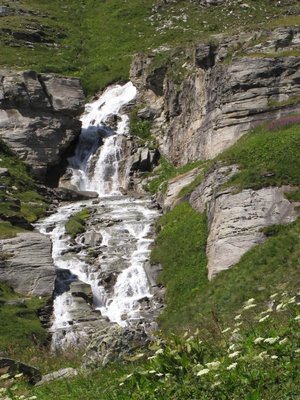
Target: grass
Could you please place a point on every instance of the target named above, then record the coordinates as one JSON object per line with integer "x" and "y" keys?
{"x": 180, "y": 248}
{"x": 20, "y": 201}
{"x": 97, "y": 40}
{"x": 266, "y": 158}
{"x": 20, "y": 327}
{"x": 76, "y": 223}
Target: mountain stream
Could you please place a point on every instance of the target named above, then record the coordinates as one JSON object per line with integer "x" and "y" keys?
{"x": 119, "y": 231}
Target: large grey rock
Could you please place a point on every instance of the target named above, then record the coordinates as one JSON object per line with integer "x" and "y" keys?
{"x": 38, "y": 116}
{"x": 235, "y": 220}
{"x": 28, "y": 267}
{"x": 216, "y": 103}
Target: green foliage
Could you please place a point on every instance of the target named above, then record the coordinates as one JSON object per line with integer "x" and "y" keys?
{"x": 266, "y": 158}
{"x": 180, "y": 248}
{"x": 96, "y": 40}
{"x": 76, "y": 223}
{"x": 20, "y": 327}
{"x": 165, "y": 171}
{"x": 139, "y": 127}
{"x": 18, "y": 194}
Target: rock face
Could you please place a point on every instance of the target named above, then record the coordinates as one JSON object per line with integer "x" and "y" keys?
{"x": 38, "y": 116}
{"x": 13, "y": 367}
{"x": 216, "y": 102}
{"x": 236, "y": 220}
{"x": 27, "y": 266}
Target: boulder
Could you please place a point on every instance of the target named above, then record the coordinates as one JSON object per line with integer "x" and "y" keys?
{"x": 14, "y": 367}
{"x": 38, "y": 116}
{"x": 29, "y": 269}
{"x": 236, "y": 220}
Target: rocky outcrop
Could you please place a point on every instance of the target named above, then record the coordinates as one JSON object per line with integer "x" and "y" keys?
{"x": 38, "y": 116}
{"x": 236, "y": 220}
{"x": 216, "y": 102}
{"x": 64, "y": 373}
{"x": 13, "y": 367}
{"x": 115, "y": 343}
{"x": 27, "y": 266}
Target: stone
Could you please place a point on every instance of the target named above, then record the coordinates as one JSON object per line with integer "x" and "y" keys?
{"x": 216, "y": 103}
{"x": 236, "y": 220}
{"x": 14, "y": 367}
{"x": 29, "y": 269}
{"x": 170, "y": 198}
{"x": 64, "y": 373}
{"x": 38, "y": 117}
{"x": 4, "y": 172}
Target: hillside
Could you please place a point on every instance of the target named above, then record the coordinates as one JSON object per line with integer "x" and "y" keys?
{"x": 213, "y": 137}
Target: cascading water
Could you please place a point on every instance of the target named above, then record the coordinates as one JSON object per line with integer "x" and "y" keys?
{"x": 121, "y": 224}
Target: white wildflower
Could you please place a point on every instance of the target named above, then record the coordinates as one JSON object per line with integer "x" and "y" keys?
{"x": 19, "y": 375}
{"x": 237, "y": 317}
{"x": 226, "y": 330}
{"x": 236, "y": 330}
{"x": 297, "y": 351}
{"x": 231, "y": 366}
{"x": 235, "y": 354}
{"x": 159, "y": 351}
{"x": 216, "y": 384}
{"x": 152, "y": 371}
{"x": 262, "y": 355}
{"x": 282, "y": 341}
{"x": 213, "y": 364}
{"x": 159, "y": 374}
{"x": 32, "y": 398}
{"x": 292, "y": 300}
{"x": 232, "y": 346}
{"x": 248, "y": 306}
{"x": 238, "y": 323}
{"x": 203, "y": 372}
{"x": 264, "y": 318}
{"x": 274, "y": 357}
{"x": 258, "y": 340}
{"x": 297, "y": 318}
{"x": 121, "y": 384}
{"x": 271, "y": 340}
{"x": 273, "y": 295}
{"x": 268, "y": 311}
{"x": 280, "y": 306}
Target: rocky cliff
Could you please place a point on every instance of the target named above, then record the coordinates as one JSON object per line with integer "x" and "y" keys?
{"x": 204, "y": 99}
{"x": 39, "y": 117}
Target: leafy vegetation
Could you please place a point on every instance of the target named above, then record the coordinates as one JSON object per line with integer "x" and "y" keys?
{"x": 139, "y": 127}
{"x": 76, "y": 223}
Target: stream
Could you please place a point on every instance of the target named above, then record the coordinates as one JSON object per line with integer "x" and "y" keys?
{"x": 109, "y": 257}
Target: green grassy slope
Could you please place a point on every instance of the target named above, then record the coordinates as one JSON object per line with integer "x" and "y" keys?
{"x": 96, "y": 40}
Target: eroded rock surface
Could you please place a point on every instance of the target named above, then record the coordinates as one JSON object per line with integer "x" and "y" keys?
{"x": 236, "y": 220}
{"x": 38, "y": 116}
{"x": 216, "y": 103}
{"x": 27, "y": 264}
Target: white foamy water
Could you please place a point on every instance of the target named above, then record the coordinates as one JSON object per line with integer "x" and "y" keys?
{"x": 125, "y": 243}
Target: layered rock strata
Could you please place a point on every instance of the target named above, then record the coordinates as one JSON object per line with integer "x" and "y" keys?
{"x": 38, "y": 116}
{"x": 200, "y": 114}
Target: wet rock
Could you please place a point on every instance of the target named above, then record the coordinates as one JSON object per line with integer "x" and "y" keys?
{"x": 73, "y": 195}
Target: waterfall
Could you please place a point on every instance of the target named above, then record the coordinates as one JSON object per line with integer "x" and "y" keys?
{"x": 123, "y": 224}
